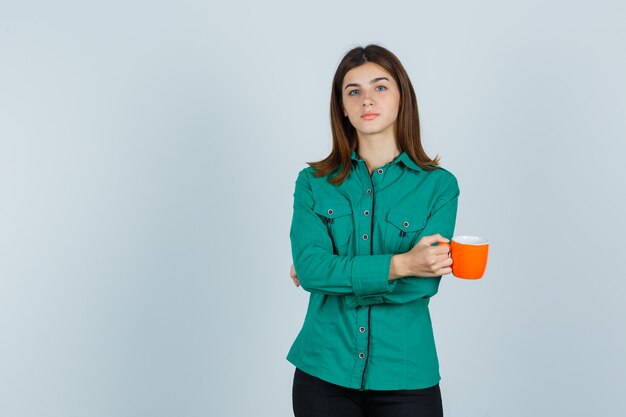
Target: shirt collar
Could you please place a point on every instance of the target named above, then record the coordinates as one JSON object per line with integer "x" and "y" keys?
{"x": 403, "y": 157}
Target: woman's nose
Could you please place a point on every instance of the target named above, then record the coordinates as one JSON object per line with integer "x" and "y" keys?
{"x": 367, "y": 101}
{"x": 367, "y": 98}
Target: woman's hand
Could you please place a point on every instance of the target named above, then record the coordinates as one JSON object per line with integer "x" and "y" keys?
{"x": 423, "y": 260}
{"x": 294, "y": 277}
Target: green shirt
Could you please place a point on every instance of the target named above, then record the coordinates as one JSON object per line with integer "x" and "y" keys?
{"x": 362, "y": 331}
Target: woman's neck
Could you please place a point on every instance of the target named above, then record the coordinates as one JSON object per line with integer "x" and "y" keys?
{"x": 376, "y": 152}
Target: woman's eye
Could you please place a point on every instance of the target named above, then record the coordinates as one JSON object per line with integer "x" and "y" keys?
{"x": 380, "y": 88}
{"x": 353, "y": 92}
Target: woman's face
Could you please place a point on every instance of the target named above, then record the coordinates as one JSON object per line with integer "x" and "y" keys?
{"x": 371, "y": 99}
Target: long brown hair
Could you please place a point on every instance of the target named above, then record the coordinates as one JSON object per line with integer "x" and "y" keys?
{"x": 407, "y": 127}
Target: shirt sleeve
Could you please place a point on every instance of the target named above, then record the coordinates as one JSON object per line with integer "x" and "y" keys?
{"x": 441, "y": 220}
{"x": 321, "y": 271}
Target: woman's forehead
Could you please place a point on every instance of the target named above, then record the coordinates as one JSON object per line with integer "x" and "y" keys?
{"x": 366, "y": 73}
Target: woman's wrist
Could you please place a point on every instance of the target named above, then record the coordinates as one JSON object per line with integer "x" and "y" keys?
{"x": 397, "y": 268}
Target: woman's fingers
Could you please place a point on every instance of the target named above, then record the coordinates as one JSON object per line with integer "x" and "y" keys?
{"x": 444, "y": 271}
{"x": 429, "y": 240}
{"x": 294, "y": 277}
{"x": 444, "y": 265}
{"x": 440, "y": 264}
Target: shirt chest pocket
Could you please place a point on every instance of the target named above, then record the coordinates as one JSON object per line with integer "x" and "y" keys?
{"x": 338, "y": 217}
{"x": 403, "y": 228}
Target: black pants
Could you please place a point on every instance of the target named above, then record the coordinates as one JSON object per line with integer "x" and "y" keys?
{"x": 313, "y": 397}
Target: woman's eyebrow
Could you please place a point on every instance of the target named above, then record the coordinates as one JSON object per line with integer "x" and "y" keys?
{"x": 375, "y": 80}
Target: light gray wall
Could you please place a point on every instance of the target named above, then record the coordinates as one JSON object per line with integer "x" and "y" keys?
{"x": 148, "y": 153}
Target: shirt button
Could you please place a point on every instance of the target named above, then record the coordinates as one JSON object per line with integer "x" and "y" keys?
{"x": 380, "y": 170}
{"x": 366, "y": 213}
{"x": 369, "y": 191}
{"x": 330, "y": 211}
{"x": 361, "y": 355}
{"x": 365, "y": 237}
{"x": 405, "y": 224}
{"x": 362, "y": 329}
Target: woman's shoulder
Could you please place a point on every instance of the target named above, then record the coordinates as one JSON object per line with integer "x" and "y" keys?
{"x": 320, "y": 186}
{"x": 443, "y": 179}
{"x": 307, "y": 179}
{"x": 309, "y": 174}
{"x": 306, "y": 174}
{"x": 440, "y": 173}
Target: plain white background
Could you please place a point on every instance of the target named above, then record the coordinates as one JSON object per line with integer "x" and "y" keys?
{"x": 148, "y": 154}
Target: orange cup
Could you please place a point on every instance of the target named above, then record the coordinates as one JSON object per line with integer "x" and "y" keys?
{"x": 469, "y": 256}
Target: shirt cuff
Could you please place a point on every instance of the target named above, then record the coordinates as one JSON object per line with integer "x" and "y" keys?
{"x": 370, "y": 275}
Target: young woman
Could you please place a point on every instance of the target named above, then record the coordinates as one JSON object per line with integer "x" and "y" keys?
{"x": 365, "y": 234}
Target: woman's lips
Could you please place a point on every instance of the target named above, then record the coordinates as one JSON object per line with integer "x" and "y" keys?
{"x": 369, "y": 116}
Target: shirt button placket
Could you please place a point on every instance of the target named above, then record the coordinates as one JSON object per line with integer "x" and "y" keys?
{"x": 365, "y": 224}
{"x": 365, "y": 248}
{"x": 365, "y": 231}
